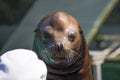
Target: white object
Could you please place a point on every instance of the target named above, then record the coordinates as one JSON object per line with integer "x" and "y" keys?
{"x": 22, "y": 64}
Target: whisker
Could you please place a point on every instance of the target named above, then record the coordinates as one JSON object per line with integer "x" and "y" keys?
{"x": 74, "y": 52}
{"x": 72, "y": 55}
{"x": 51, "y": 46}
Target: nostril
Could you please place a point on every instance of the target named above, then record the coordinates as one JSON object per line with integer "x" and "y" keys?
{"x": 59, "y": 47}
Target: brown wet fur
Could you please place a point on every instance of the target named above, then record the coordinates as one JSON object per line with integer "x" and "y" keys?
{"x": 59, "y": 25}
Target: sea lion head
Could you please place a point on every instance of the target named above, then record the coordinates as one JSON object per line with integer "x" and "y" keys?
{"x": 58, "y": 39}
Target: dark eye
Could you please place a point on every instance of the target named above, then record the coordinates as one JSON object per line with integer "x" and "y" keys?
{"x": 46, "y": 35}
{"x": 71, "y": 37}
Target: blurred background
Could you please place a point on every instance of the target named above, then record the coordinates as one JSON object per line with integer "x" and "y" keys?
{"x": 100, "y": 21}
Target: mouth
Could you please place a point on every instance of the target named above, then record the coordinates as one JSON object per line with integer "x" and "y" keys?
{"x": 60, "y": 61}
{"x": 59, "y": 57}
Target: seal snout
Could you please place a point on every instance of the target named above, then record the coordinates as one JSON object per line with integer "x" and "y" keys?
{"x": 59, "y": 47}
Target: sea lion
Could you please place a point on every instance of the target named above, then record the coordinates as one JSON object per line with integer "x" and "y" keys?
{"x": 59, "y": 41}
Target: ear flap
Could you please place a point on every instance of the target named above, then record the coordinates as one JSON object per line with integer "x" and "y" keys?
{"x": 80, "y": 30}
{"x": 36, "y": 30}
